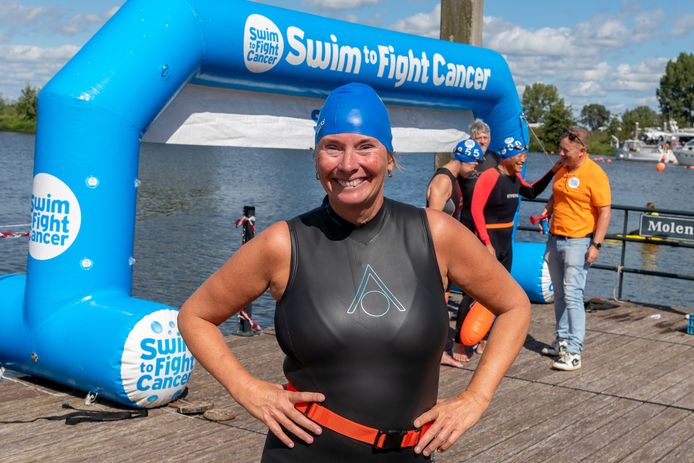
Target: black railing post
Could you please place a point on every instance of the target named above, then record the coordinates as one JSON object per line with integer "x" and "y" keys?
{"x": 247, "y": 233}
{"x": 624, "y": 252}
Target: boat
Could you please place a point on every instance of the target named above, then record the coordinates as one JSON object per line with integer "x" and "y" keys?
{"x": 653, "y": 145}
{"x": 639, "y": 150}
{"x": 685, "y": 154}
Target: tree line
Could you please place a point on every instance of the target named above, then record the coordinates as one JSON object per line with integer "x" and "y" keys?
{"x": 544, "y": 107}
{"x": 20, "y": 115}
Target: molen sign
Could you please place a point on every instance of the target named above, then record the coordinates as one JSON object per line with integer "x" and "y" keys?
{"x": 663, "y": 226}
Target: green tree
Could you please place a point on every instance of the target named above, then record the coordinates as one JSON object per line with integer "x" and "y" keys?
{"x": 615, "y": 126}
{"x": 537, "y": 101}
{"x": 676, "y": 91}
{"x": 558, "y": 119}
{"x": 643, "y": 115}
{"x": 595, "y": 116}
{"x": 26, "y": 104}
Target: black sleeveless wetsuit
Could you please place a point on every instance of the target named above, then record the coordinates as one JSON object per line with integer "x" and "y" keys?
{"x": 467, "y": 186}
{"x": 454, "y": 202}
{"x": 363, "y": 321}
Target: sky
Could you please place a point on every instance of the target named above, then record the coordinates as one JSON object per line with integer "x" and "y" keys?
{"x": 611, "y": 52}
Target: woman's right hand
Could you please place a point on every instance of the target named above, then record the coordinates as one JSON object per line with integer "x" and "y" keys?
{"x": 275, "y": 406}
{"x": 491, "y": 250}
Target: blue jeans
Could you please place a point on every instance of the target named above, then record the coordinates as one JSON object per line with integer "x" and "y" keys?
{"x": 566, "y": 261}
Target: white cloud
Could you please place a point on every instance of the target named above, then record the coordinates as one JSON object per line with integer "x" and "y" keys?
{"x": 684, "y": 25}
{"x": 29, "y": 64}
{"x": 587, "y": 89}
{"x": 341, "y": 4}
{"x": 15, "y": 14}
{"x": 515, "y": 40}
{"x": 646, "y": 25}
{"x": 16, "y": 18}
{"x": 424, "y": 24}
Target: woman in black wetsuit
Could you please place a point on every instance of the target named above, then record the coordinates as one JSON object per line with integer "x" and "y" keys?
{"x": 359, "y": 283}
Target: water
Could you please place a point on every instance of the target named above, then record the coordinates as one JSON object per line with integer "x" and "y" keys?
{"x": 190, "y": 198}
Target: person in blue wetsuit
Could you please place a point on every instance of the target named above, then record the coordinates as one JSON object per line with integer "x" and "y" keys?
{"x": 359, "y": 283}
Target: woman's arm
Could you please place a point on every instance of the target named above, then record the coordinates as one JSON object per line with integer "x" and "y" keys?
{"x": 534, "y": 190}
{"x": 464, "y": 260}
{"x": 260, "y": 264}
{"x": 440, "y": 189}
{"x": 480, "y": 195}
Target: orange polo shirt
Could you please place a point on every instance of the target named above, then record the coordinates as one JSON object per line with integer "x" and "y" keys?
{"x": 577, "y": 198}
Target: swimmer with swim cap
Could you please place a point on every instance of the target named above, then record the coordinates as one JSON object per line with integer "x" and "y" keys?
{"x": 359, "y": 284}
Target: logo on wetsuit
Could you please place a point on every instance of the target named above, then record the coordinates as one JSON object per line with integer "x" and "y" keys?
{"x": 373, "y": 296}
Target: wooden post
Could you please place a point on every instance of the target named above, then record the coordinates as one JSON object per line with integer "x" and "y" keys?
{"x": 461, "y": 21}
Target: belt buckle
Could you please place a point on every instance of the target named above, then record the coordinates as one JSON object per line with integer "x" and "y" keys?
{"x": 392, "y": 439}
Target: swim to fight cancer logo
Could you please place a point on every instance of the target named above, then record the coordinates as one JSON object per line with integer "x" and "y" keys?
{"x": 55, "y": 217}
{"x": 263, "y": 44}
{"x": 156, "y": 364}
{"x": 325, "y": 50}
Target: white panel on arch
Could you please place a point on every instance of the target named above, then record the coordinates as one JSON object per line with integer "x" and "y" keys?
{"x": 201, "y": 115}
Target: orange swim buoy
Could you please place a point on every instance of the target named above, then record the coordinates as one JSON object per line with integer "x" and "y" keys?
{"x": 660, "y": 167}
{"x": 476, "y": 325}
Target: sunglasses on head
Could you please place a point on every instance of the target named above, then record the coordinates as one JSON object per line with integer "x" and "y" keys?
{"x": 574, "y": 138}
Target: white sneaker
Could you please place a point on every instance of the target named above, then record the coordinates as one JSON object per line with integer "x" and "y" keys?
{"x": 567, "y": 362}
{"x": 556, "y": 348}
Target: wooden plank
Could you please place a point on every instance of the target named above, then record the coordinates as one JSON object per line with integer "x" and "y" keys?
{"x": 666, "y": 443}
{"x": 641, "y": 436}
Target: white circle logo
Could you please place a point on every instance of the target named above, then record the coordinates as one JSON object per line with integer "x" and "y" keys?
{"x": 469, "y": 143}
{"x": 508, "y": 140}
{"x": 263, "y": 44}
{"x": 55, "y": 217}
{"x": 156, "y": 364}
{"x": 574, "y": 182}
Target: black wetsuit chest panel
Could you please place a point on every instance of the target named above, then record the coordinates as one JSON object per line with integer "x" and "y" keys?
{"x": 467, "y": 187}
{"x": 503, "y": 200}
{"x": 363, "y": 319}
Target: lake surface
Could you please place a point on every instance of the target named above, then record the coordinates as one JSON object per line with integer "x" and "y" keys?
{"x": 191, "y": 196}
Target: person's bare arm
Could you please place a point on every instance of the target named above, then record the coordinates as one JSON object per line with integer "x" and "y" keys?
{"x": 464, "y": 260}
{"x": 440, "y": 189}
{"x": 605, "y": 213}
{"x": 260, "y": 264}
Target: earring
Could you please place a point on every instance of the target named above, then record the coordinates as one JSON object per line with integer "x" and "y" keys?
{"x": 390, "y": 174}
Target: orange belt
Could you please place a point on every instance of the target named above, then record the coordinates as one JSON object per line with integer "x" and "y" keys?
{"x": 381, "y": 439}
{"x": 500, "y": 225}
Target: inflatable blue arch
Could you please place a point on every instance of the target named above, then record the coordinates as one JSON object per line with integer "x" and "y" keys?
{"x": 71, "y": 318}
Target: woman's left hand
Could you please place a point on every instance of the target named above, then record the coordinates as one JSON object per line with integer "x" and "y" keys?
{"x": 451, "y": 418}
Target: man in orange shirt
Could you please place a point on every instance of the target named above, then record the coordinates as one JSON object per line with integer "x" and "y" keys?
{"x": 580, "y": 209}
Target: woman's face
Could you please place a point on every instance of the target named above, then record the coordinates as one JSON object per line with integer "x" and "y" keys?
{"x": 352, "y": 169}
{"x": 515, "y": 164}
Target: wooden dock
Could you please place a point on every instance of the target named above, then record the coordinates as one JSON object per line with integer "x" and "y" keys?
{"x": 633, "y": 401}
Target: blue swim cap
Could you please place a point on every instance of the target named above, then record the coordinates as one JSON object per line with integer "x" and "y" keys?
{"x": 468, "y": 150}
{"x": 355, "y": 108}
{"x": 511, "y": 147}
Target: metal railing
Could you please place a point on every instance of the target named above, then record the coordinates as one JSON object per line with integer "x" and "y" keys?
{"x": 621, "y": 269}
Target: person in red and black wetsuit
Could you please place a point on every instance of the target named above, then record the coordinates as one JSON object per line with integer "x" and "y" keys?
{"x": 495, "y": 199}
